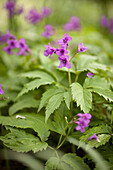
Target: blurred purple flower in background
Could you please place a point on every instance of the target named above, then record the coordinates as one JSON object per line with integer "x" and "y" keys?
{"x": 64, "y": 61}
{"x": 81, "y": 48}
{"x": 23, "y": 48}
{"x": 1, "y": 90}
{"x": 49, "y": 31}
{"x": 89, "y": 74}
{"x": 8, "y": 50}
{"x": 104, "y": 22}
{"x": 94, "y": 137}
{"x": 10, "y": 7}
{"x": 83, "y": 121}
{"x": 73, "y": 24}
{"x": 111, "y": 26}
{"x": 33, "y": 16}
{"x": 46, "y": 12}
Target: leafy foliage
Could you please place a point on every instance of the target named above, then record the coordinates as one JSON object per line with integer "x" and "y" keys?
{"x": 33, "y": 121}
{"x": 82, "y": 96}
{"x": 20, "y": 141}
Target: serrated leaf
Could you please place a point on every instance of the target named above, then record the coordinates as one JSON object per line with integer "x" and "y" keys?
{"x": 96, "y": 157}
{"x": 67, "y": 99}
{"x": 106, "y": 93}
{"x": 47, "y": 95}
{"x": 33, "y": 121}
{"x": 28, "y": 102}
{"x": 96, "y": 82}
{"x": 84, "y": 62}
{"x": 20, "y": 141}
{"x": 33, "y": 85}
{"x": 82, "y": 96}
{"x": 104, "y": 138}
{"x": 53, "y": 104}
{"x": 37, "y": 74}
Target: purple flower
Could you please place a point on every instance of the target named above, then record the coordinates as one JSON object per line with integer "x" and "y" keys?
{"x": 83, "y": 121}
{"x": 61, "y": 51}
{"x": 46, "y": 12}
{"x": 5, "y": 37}
{"x": 89, "y": 74}
{"x": 49, "y": 50}
{"x": 33, "y": 16}
{"x": 104, "y": 22}
{"x": 94, "y": 137}
{"x": 73, "y": 24}
{"x": 64, "y": 62}
{"x": 1, "y": 90}
{"x": 49, "y": 31}
{"x": 12, "y": 43}
{"x": 8, "y": 50}
{"x": 10, "y": 6}
{"x": 81, "y": 48}
{"x": 23, "y": 48}
{"x": 65, "y": 40}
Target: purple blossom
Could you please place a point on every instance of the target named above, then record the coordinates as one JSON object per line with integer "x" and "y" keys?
{"x": 12, "y": 43}
{"x": 33, "y": 16}
{"x": 89, "y": 74}
{"x": 49, "y": 50}
{"x": 10, "y": 6}
{"x": 23, "y": 48}
{"x": 5, "y": 37}
{"x": 8, "y": 50}
{"x": 65, "y": 40}
{"x": 81, "y": 48}
{"x": 94, "y": 137}
{"x": 61, "y": 51}
{"x": 73, "y": 24}
{"x": 104, "y": 22}
{"x": 46, "y": 12}
{"x": 1, "y": 90}
{"x": 83, "y": 121}
{"x": 49, "y": 31}
{"x": 64, "y": 62}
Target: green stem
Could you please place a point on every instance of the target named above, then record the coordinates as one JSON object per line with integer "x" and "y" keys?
{"x": 54, "y": 151}
{"x": 69, "y": 76}
{"x": 76, "y": 78}
{"x": 72, "y": 56}
{"x": 62, "y": 135}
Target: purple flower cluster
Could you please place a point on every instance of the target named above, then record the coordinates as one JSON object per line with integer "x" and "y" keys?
{"x": 73, "y": 24}
{"x": 62, "y": 51}
{"x": 13, "y": 43}
{"x": 1, "y": 90}
{"x": 34, "y": 16}
{"x": 10, "y": 6}
{"x": 5, "y": 37}
{"x": 83, "y": 121}
{"x": 107, "y": 23}
{"x": 49, "y": 31}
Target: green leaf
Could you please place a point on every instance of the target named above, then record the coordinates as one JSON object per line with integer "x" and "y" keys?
{"x": 54, "y": 103}
{"x": 37, "y": 74}
{"x": 26, "y": 102}
{"x": 112, "y": 117}
{"x": 84, "y": 62}
{"x": 33, "y": 85}
{"x": 33, "y": 121}
{"x": 20, "y": 141}
{"x": 75, "y": 162}
{"x": 48, "y": 94}
{"x": 107, "y": 94}
{"x": 96, "y": 157}
{"x": 96, "y": 82}
{"x": 67, "y": 162}
{"x": 67, "y": 99}
{"x": 82, "y": 96}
